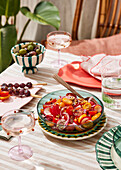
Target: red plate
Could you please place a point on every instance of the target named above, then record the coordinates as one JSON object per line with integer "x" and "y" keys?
{"x": 73, "y": 73}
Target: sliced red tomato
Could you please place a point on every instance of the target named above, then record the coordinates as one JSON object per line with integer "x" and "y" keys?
{"x": 4, "y": 98}
{"x": 92, "y": 113}
{"x": 46, "y": 106}
{"x": 55, "y": 120}
{"x": 4, "y": 93}
{"x": 69, "y": 110}
{"x": 55, "y": 110}
{"x": 76, "y": 120}
{"x": 51, "y": 101}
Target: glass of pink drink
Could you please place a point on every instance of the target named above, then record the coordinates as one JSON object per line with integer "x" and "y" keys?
{"x": 16, "y": 123}
{"x": 59, "y": 40}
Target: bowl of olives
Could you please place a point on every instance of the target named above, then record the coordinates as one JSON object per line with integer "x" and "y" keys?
{"x": 28, "y": 55}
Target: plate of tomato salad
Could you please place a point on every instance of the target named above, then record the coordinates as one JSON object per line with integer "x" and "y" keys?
{"x": 65, "y": 112}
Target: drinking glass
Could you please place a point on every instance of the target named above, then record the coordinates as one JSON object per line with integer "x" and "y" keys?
{"x": 59, "y": 40}
{"x": 111, "y": 82}
{"x": 16, "y": 123}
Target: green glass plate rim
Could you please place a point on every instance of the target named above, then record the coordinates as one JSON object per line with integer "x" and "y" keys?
{"x": 105, "y": 163}
{"x": 93, "y": 130}
{"x": 67, "y": 91}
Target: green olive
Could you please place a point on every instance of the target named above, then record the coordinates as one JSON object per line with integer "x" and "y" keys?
{"x": 25, "y": 46}
{"x": 22, "y": 51}
{"x": 31, "y": 43}
{"x": 38, "y": 51}
{"x": 30, "y": 47}
{"x": 17, "y": 53}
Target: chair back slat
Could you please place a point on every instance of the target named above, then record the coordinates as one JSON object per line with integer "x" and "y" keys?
{"x": 117, "y": 25}
{"x": 76, "y": 19}
{"x": 107, "y": 15}
{"x": 113, "y": 17}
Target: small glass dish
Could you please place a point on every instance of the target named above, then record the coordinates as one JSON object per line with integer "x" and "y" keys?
{"x": 63, "y": 125}
{"x": 117, "y": 141}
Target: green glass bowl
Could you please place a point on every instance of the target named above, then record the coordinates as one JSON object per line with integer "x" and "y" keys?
{"x": 69, "y": 128}
{"x": 117, "y": 140}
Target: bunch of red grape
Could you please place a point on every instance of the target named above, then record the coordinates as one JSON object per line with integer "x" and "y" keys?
{"x": 16, "y": 89}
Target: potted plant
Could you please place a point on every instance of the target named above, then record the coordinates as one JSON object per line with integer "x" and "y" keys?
{"x": 45, "y": 13}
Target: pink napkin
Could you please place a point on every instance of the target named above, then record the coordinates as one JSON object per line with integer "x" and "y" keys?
{"x": 16, "y": 102}
{"x": 94, "y": 65}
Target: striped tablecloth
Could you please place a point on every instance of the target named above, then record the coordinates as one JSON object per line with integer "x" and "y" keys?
{"x": 51, "y": 153}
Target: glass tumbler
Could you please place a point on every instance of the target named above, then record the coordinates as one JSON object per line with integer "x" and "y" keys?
{"x": 111, "y": 82}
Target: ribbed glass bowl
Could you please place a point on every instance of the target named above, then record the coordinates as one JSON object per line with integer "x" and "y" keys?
{"x": 70, "y": 127}
{"x": 28, "y": 63}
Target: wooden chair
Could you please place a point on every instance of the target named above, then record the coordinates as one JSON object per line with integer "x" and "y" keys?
{"x": 109, "y": 18}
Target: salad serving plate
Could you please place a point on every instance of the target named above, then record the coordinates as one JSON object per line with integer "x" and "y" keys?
{"x": 74, "y": 136}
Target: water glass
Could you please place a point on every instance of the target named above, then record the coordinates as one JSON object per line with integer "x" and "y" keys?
{"x": 111, "y": 82}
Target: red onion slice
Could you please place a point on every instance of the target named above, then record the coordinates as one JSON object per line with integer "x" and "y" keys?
{"x": 90, "y": 98}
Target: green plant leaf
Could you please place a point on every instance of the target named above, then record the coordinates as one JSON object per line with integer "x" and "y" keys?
{"x": 45, "y": 13}
{"x": 9, "y": 7}
{"x": 8, "y": 38}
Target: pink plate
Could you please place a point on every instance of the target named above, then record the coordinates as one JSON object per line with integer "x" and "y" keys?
{"x": 73, "y": 73}
{"x": 16, "y": 102}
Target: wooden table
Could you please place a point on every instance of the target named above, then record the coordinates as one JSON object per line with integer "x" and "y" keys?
{"x": 51, "y": 153}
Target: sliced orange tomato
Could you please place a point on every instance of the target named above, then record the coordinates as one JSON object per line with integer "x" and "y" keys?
{"x": 96, "y": 116}
{"x": 67, "y": 101}
{"x": 98, "y": 108}
{"x": 58, "y": 101}
{"x": 81, "y": 117}
{"x": 61, "y": 104}
{"x": 87, "y": 106}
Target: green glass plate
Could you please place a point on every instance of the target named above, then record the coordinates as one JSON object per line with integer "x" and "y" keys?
{"x": 103, "y": 150}
{"x": 74, "y": 136}
{"x": 57, "y": 94}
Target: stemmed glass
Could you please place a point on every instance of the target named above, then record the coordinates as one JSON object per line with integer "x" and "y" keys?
{"x": 16, "y": 123}
{"x": 59, "y": 40}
